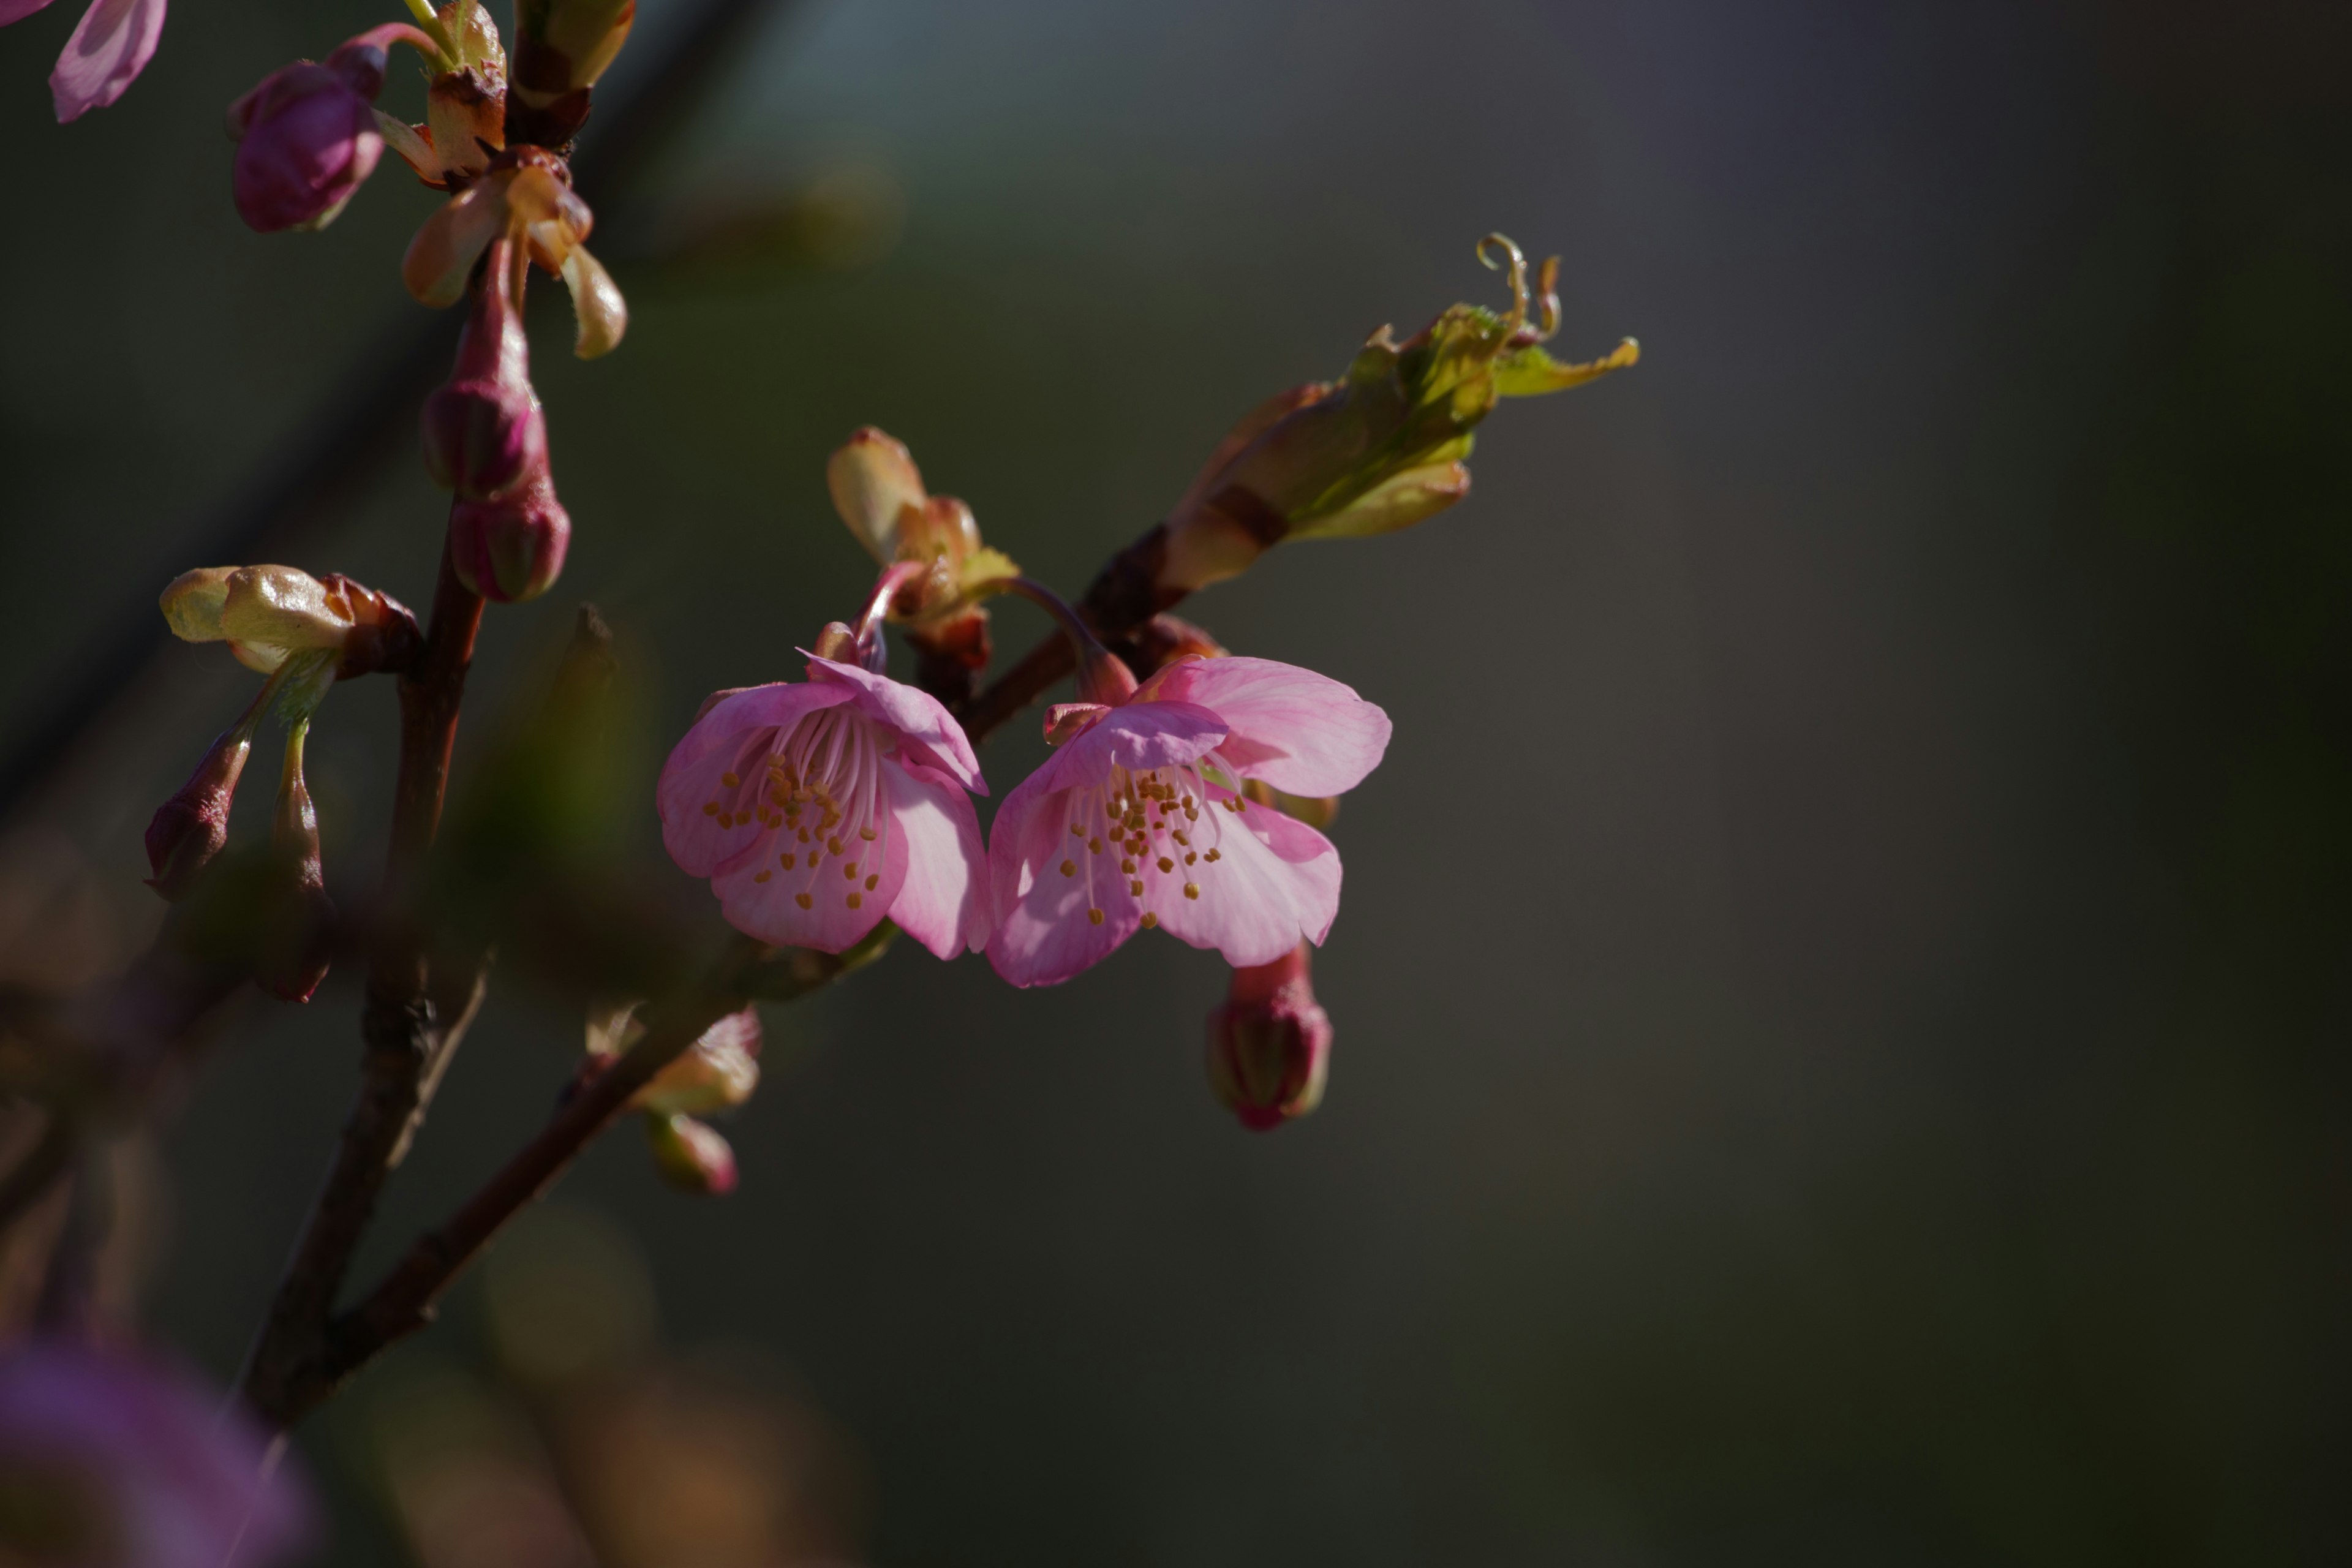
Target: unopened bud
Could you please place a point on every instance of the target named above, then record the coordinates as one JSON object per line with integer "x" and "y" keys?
{"x": 190, "y": 828}
{"x": 511, "y": 549}
{"x": 561, "y": 48}
{"x": 298, "y": 918}
{"x": 307, "y": 136}
{"x": 1270, "y": 1043}
{"x": 717, "y": 1073}
{"x": 268, "y": 614}
{"x": 484, "y": 431}
{"x": 690, "y": 1156}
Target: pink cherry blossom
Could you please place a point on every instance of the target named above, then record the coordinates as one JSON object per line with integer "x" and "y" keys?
{"x": 816, "y": 808}
{"x": 107, "y": 52}
{"x": 1139, "y": 819}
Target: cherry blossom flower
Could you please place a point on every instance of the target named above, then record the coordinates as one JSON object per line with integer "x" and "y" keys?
{"x": 1140, "y": 818}
{"x": 816, "y": 808}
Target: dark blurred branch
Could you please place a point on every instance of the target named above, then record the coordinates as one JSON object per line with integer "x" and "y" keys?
{"x": 311, "y": 475}
{"x": 39, "y": 1171}
{"x": 407, "y": 1296}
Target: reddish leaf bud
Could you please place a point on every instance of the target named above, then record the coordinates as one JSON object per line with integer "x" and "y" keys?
{"x": 1270, "y": 1043}
{"x": 484, "y": 432}
{"x": 511, "y": 549}
{"x": 690, "y": 1156}
{"x": 190, "y": 828}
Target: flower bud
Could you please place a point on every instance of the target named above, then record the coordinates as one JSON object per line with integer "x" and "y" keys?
{"x": 879, "y": 493}
{"x": 297, "y": 917}
{"x": 1270, "y": 1043}
{"x": 484, "y": 431}
{"x": 511, "y": 549}
{"x": 691, "y": 1156}
{"x": 718, "y": 1072}
{"x": 561, "y": 48}
{"x": 190, "y": 828}
{"x": 307, "y": 137}
{"x": 268, "y": 614}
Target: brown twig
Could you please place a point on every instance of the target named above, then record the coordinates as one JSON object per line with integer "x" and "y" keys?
{"x": 406, "y": 1300}
{"x": 397, "y": 1023}
{"x": 1124, "y": 595}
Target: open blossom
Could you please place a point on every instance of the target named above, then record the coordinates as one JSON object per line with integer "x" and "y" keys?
{"x": 107, "y": 52}
{"x": 108, "y": 1458}
{"x": 817, "y": 807}
{"x": 1139, "y": 819}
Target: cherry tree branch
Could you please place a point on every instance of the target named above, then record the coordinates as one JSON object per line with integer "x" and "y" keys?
{"x": 397, "y": 1023}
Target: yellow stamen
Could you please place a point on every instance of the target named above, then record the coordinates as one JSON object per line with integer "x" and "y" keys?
{"x": 856, "y": 900}
{"x": 1149, "y": 920}
{"x": 1093, "y": 916}
{"x": 801, "y": 899}
{"x": 1069, "y": 867}
{"x": 1192, "y": 889}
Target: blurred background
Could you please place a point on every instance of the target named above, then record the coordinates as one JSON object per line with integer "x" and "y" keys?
{"x": 1893, "y": 1109}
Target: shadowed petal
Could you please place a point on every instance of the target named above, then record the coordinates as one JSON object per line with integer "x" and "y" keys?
{"x": 1300, "y": 731}
{"x": 762, "y": 899}
{"x": 939, "y": 741}
{"x": 730, "y": 738}
{"x": 944, "y": 904}
{"x": 17, "y": 10}
{"x": 1043, "y": 934}
{"x": 105, "y": 55}
{"x": 1275, "y": 881}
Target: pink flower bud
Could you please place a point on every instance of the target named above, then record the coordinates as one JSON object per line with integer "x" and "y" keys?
{"x": 307, "y": 138}
{"x": 511, "y": 549}
{"x": 691, "y": 1156}
{"x": 190, "y": 828}
{"x": 1270, "y": 1043}
{"x": 484, "y": 432}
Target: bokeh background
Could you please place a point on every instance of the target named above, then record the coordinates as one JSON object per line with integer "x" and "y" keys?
{"x": 1843, "y": 993}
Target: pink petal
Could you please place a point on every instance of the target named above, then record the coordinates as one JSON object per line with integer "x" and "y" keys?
{"x": 1141, "y": 735}
{"x": 944, "y": 904}
{"x": 17, "y": 10}
{"x": 722, "y": 741}
{"x": 1275, "y": 881}
{"x": 938, "y": 741}
{"x": 1043, "y": 936}
{"x": 1298, "y": 730}
{"x": 770, "y": 910}
{"x": 105, "y": 55}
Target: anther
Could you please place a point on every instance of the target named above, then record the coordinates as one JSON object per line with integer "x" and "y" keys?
{"x": 856, "y": 900}
{"x": 1166, "y": 864}
{"x": 1094, "y": 846}
{"x": 803, "y": 899}
{"x": 849, "y": 870}
{"x": 710, "y": 808}
{"x": 758, "y": 875}
{"x": 1093, "y": 916}
{"x": 1149, "y": 920}
{"x": 1190, "y": 855}
{"x": 1216, "y": 855}
{"x": 729, "y": 780}
{"x": 1069, "y": 867}
{"x": 1136, "y": 887}
{"x": 1076, "y": 832}
{"x": 1128, "y": 865}
{"x": 833, "y": 845}
{"x": 1192, "y": 889}
{"x": 867, "y": 834}
{"x": 787, "y": 860}
{"x": 874, "y": 881}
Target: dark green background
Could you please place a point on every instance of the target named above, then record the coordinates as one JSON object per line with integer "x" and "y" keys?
{"x": 1842, "y": 993}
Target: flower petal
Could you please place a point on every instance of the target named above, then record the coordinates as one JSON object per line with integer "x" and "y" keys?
{"x": 1043, "y": 934}
{"x": 724, "y": 741}
{"x": 447, "y": 243}
{"x": 596, "y": 302}
{"x": 762, "y": 899}
{"x": 1302, "y": 733}
{"x": 937, "y": 739}
{"x": 282, "y": 607}
{"x": 17, "y": 10}
{"x": 944, "y": 904}
{"x": 1275, "y": 880}
{"x": 1139, "y": 735}
{"x": 107, "y": 52}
